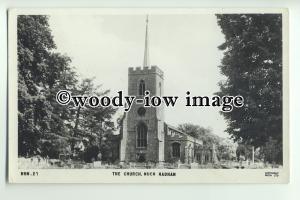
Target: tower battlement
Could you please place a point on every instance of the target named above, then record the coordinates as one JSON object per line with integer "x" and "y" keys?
{"x": 145, "y": 70}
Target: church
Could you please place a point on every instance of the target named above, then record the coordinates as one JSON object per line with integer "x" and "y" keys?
{"x": 145, "y": 137}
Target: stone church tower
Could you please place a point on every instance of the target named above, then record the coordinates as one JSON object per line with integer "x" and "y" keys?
{"x": 143, "y": 127}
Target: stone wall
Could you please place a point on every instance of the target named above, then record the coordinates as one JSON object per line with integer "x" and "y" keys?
{"x": 191, "y": 149}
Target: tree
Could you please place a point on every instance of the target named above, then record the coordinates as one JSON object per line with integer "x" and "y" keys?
{"x": 93, "y": 123}
{"x": 196, "y": 131}
{"x": 252, "y": 63}
{"x": 271, "y": 151}
{"x": 191, "y": 129}
{"x": 226, "y": 149}
{"x": 35, "y": 46}
{"x": 245, "y": 151}
{"x": 45, "y": 127}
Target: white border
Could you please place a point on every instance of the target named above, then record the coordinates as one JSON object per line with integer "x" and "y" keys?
{"x": 105, "y": 175}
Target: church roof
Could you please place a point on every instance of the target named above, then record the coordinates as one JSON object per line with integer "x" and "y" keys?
{"x": 189, "y": 137}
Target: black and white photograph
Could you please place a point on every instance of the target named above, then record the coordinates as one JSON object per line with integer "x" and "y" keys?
{"x": 148, "y": 95}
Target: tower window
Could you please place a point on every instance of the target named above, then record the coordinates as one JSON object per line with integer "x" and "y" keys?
{"x": 176, "y": 150}
{"x": 142, "y": 135}
{"x": 142, "y": 87}
{"x": 159, "y": 88}
{"x": 141, "y": 111}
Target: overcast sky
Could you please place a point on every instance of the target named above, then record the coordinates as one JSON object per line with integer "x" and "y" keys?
{"x": 183, "y": 46}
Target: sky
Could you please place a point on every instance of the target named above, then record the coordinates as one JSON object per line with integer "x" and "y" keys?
{"x": 183, "y": 46}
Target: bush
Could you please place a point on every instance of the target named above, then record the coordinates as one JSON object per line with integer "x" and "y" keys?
{"x": 91, "y": 154}
{"x": 53, "y": 148}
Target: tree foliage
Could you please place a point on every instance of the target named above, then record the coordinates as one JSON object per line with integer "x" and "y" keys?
{"x": 225, "y": 149}
{"x": 252, "y": 63}
{"x": 199, "y": 132}
{"x": 44, "y": 127}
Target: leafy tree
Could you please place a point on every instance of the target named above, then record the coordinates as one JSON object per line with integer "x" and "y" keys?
{"x": 252, "y": 63}
{"x": 191, "y": 129}
{"x": 45, "y": 127}
{"x": 35, "y": 44}
{"x": 204, "y": 134}
{"x": 226, "y": 150}
{"x": 245, "y": 151}
{"x": 271, "y": 151}
{"x": 93, "y": 123}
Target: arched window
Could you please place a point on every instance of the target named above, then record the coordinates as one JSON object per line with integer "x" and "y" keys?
{"x": 142, "y": 135}
{"x": 176, "y": 150}
{"x": 199, "y": 157}
{"x": 206, "y": 158}
{"x": 142, "y": 87}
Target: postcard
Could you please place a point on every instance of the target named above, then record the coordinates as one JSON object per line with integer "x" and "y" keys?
{"x": 148, "y": 95}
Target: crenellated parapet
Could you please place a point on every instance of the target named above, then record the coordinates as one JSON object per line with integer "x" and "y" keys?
{"x": 145, "y": 70}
